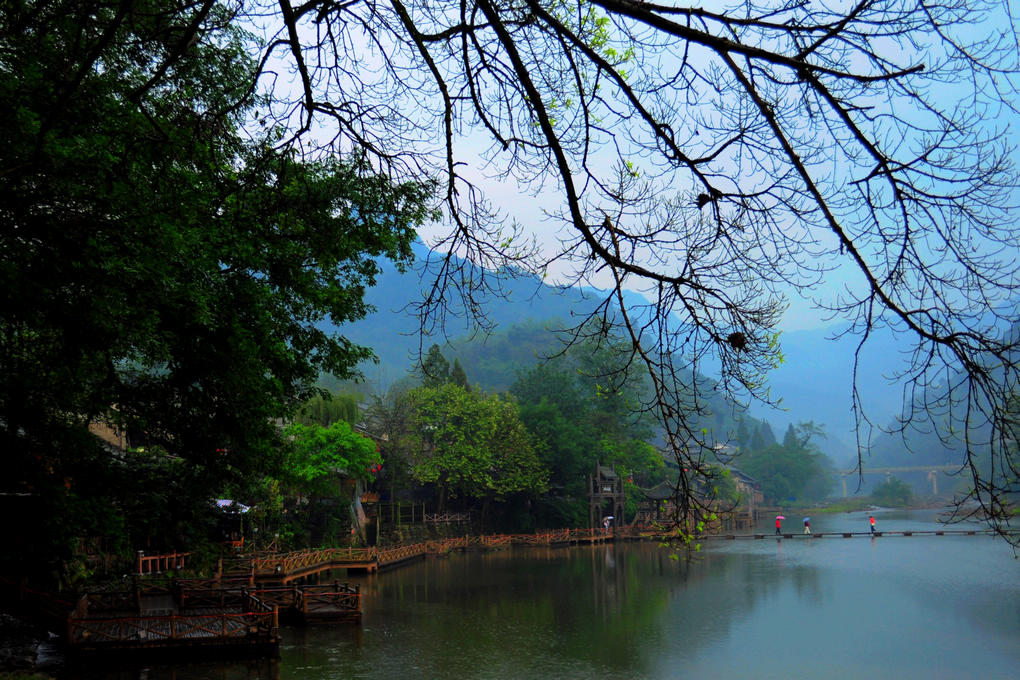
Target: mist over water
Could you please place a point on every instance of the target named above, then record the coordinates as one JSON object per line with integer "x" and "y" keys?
{"x": 888, "y": 607}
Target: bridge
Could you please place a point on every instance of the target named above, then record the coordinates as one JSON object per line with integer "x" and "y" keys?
{"x": 858, "y": 534}
{"x": 932, "y": 471}
{"x": 280, "y": 569}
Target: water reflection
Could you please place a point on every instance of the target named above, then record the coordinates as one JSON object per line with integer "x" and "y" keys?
{"x": 254, "y": 669}
{"x": 914, "y": 607}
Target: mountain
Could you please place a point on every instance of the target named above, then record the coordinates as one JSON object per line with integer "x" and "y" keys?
{"x": 392, "y": 331}
{"x": 814, "y": 383}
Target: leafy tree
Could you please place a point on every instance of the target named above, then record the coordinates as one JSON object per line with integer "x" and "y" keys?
{"x": 583, "y": 409}
{"x": 326, "y": 409}
{"x": 392, "y": 417}
{"x": 893, "y": 493}
{"x": 318, "y": 453}
{"x": 757, "y": 442}
{"x": 166, "y": 259}
{"x": 790, "y": 471}
{"x": 434, "y": 369}
{"x": 720, "y": 486}
{"x": 790, "y": 437}
{"x": 742, "y": 435}
{"x": 458, "y": 376}
{"x": 473, "y": 446}
{"x": 319, "y": 463}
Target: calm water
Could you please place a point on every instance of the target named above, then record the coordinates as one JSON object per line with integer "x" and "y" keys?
{"x": 890, "y": 607}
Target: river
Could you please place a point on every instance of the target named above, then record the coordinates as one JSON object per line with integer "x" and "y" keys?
{"x": 886, "y": 607}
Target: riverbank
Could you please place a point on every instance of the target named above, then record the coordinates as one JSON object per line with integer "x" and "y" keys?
{"x": 20, "y": 644}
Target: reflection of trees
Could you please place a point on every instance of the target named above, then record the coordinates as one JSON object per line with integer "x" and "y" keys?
{"x": 250, "y": 669}
{"x": 614, "y": 604}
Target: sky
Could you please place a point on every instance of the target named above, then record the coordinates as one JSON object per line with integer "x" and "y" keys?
{"x": 527, "y": 209}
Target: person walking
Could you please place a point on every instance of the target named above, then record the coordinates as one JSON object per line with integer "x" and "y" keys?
{"x": 871, "y": 519}
{"x": 807, "y": 525}
{"x": 778, "y": 526}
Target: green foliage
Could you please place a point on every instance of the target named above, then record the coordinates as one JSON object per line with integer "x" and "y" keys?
{"x": 790, "y": 471}
{"x": 720, "y": 486}
{"x": 458, "y": 376}
{"x": 473, "y": 445}
{"x": 326, "y": 409}
{"x": 584, "y": 410}
{"x": 434, "y": 369}
{"x": 166, "y": 269}
{"x": 893, "y": 493}
{"x": 318, "y": 452}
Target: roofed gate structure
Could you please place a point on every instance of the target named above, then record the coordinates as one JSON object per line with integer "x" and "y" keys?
{"x": 605, "y": 496}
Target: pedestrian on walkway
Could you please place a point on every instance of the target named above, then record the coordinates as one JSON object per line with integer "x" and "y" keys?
{"x": 807, "y": 525}
{"x": 871, "y": 519}
{"x": 778, "y": 526}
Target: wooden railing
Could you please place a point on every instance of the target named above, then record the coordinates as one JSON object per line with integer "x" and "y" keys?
{"x": 96, "y": 623}
{"x": 543, "y": 537}
{"x": 445, "y": 545}
{"x": 588, "y": 534}
{"x": 400, "y": 553}
{"x": 328, "y": 600}
{"x": 157, "y": 564}
{"x": 448, "y": 517}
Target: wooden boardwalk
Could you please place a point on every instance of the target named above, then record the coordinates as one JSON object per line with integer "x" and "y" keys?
{"x": 149, "y": 620}
{"x": 241, "y": 608}
{"x": 287, "y": 568}
{"x": 281, "y": 569}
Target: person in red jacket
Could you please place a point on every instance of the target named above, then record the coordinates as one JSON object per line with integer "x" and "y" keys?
{"x": 777, "y": 527}
{"x": 871, "y": 519}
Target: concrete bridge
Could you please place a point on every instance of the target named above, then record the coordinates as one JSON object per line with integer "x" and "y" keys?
{"x": 932, "y": 471}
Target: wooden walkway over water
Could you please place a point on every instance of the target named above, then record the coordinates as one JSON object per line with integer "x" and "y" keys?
{"x": 241, "y": 608}
{"x": 281, "y": 569}
{"x": 302, "y": 565}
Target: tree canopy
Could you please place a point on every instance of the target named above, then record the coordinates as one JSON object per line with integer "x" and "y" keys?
{"x": 166, "y": 262}
{"x": 473, "y": 445}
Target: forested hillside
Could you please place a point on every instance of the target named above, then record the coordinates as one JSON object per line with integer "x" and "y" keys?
{"x": 813, "y": 382}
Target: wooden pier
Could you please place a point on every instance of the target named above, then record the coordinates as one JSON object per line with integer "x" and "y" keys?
{"x": 159, "y": 620}
{"x": 319, "y": 603}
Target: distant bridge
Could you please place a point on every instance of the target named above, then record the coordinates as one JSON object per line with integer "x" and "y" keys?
{"x": 932, "y": 471}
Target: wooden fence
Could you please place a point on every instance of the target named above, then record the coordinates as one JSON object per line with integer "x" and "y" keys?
{"x": 157, "y": 564}
{"x": 102, "y": 622}
{"x": 448, "y": 517}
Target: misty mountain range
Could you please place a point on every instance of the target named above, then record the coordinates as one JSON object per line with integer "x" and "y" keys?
{"x": 814, "y": 383}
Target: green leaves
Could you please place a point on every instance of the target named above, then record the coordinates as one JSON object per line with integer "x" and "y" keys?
{"x": 318, "y": 452}
{"x": 167, "y": 266}
{"x": 473, "y": 445}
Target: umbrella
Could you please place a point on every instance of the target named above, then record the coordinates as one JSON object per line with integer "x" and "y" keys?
{"x": 806, "y": 519}
{"x": 780, "y": 517}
